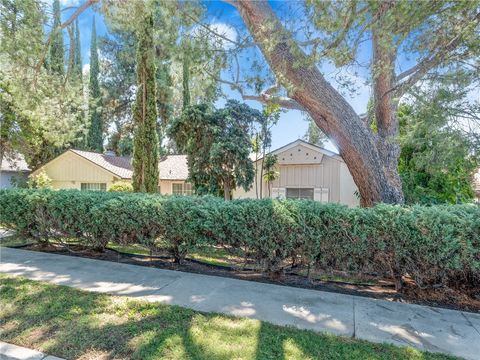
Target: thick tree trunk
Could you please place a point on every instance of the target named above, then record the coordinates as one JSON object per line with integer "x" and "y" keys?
{"x": 357, "y": 144}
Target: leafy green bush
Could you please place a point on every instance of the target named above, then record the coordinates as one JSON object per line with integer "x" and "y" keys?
{"x": 435, "y": 246}
{"x": 39, "y": 181}
{"x": 121, "y": 187}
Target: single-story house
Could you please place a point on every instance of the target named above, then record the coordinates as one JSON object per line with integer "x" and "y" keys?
{"x": 13, "y": 171}
{"x": 86, "y": 170}
{"x": 305, "y": 171}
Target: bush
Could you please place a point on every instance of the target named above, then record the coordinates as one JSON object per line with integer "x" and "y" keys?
{"x": 435, "y": 246}
{"x": 121, "y": 186}
{"x": 39, "y": 181}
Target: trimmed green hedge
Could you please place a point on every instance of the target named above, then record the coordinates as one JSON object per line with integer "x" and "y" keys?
{"x": 435, "y": 246}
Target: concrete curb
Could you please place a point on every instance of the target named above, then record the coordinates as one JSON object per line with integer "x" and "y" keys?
{"x": 14, "y": 352}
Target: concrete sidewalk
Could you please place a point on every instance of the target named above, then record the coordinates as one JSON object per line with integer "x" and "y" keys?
{"x": 423, "y": 327}
{"x": 14, "y": 352}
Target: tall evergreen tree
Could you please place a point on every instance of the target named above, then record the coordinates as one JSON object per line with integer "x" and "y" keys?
{"x": 164, "y": 100}
{"x": 56, "y": 61}
{"x": 95, "y": 131}
{"x": 77, "y": 67}
{"x": 145, "y": 142}
{"x": 186, "y": 75}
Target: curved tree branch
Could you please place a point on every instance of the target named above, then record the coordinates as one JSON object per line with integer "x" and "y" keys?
{"x": 72, "y": 18}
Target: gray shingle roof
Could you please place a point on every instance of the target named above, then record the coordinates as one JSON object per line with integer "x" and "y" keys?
{"x": 172, "y": 167}
{"x": 14, "y": 163}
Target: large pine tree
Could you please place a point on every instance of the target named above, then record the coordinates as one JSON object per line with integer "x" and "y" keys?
{"x": 145, "y": 142}
{"x": 95, "y": 130}
{"x": 56, "y": 60}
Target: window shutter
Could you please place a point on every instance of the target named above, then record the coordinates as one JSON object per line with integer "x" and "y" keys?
{"x": 321, "y": 194}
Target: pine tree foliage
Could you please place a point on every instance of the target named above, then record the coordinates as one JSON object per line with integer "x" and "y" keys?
{"x": 145, "y": 142}
{"x": 57, "y": 61}
{"x": 95, "y": 131}
{"x": 40, "y": 120}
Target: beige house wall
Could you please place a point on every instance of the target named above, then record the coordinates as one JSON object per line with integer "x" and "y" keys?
{"x": 69, "y": 171}
{"x": 166, "y": 186}
{"x": 304, "y": 167}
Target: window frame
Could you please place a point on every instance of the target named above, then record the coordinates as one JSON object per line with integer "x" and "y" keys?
{"x": 88, "y": 187}
{"x": 186, "y": 189}
{"x": 299, "y": 192}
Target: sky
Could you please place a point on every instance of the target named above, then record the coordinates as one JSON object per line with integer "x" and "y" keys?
{"x": 292, "y": 124}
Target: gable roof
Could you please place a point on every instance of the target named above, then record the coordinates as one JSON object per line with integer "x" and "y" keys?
{"x": 15, "y": 163}
{"x": 171, "y": 167}
{"x": 120, "y": 166}
{"x": 306, "y": 144}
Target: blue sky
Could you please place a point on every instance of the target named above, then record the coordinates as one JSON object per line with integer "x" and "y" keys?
{"x": 292, "y": 124}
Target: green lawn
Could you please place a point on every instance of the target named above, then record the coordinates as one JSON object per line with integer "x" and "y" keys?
{"x": 72, "y": 323}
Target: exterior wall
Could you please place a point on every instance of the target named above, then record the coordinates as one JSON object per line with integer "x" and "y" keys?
{"x": 348, "y": 188}
{"x": 476, "y": 185}
{"x": 166, "y": 186}
{"x": 6, "y": 178}
{"x": 69, "y": 170}
{"x": 303, "y": 167}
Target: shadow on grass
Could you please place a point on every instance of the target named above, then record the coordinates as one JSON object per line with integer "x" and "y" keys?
{"x": 76, "y": 324}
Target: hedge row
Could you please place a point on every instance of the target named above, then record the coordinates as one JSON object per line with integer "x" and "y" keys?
{"x": 435, "y": 246}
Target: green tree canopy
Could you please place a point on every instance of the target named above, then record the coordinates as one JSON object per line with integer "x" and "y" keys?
{"x": 437, "y": 160}
{"x": 217, "y": 143}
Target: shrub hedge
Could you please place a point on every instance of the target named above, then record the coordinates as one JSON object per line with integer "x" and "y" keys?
{"x": 435, "y": 246}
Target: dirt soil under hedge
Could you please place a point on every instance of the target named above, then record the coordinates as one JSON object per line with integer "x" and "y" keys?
{"x": 467, "y": 300}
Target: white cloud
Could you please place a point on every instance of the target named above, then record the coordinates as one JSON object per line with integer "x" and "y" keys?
{"x": 65, "y": 3}
{"x": 86, "y": 69}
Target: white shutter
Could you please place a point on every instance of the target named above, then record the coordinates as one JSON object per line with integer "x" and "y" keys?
{"x": 278, "y": 193}
{"x": 321, "y": 194}
{"x": 325, "y": 195}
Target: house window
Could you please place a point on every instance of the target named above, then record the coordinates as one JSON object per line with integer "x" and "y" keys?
{"x": 182, "y": 189}
{"x": 187, "y": 189}
{"x": 299, "y": 193}
{"x": 93, "y": 186}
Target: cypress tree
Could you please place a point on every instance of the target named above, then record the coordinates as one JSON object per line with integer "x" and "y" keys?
{"x": 95, "y": 130}
{"x": 145, "y": 141}
{"x": 186, "y": 76}
{"x": 77, "y": 68}
{"x": 56, "y": 61}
